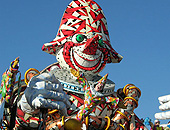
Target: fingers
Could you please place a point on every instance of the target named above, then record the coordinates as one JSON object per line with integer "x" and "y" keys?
{"x": 34, "y": 93}
{"x": 44, "y": 87}
{"x": 40, "y": 83}
{"x": 41, "y": 102}
{"x": 57, "y": 96}
{"x": 55, "y": 87}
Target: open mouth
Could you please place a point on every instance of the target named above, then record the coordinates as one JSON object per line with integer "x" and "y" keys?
{"x": 87, "y": 62}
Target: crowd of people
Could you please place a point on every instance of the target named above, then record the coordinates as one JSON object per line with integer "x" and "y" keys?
{"x": 156, "y": 125}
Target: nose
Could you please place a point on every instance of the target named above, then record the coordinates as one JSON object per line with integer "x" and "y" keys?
{"x": 91, "y": 45}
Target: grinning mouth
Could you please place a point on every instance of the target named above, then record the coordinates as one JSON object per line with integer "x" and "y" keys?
{"x": 89, "y": 57}
{"x": 87, "y": 62}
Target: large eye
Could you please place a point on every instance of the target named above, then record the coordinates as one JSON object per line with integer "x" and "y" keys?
{"x": 101, "y": 43}
{"x": 78, "y": 38}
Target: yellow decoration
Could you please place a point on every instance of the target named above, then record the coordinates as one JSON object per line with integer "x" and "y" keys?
{"x": 53, "y": 111}
{"x": 132, "y": 99}
{"x": 16, "y": 61}
{"x": 74, "y": 72}
{"x": 63, "y": 120}
{"x": 27, "y": 72}
{"x": 123, "y": 115}
{"x": 122, "y": 126}
{"x": 108, "y": 122}
{"x": 132, "y": 86}
{"x": 87, "y": 122}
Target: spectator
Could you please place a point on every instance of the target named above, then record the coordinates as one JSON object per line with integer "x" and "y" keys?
{"x": 167, "y": 127}
{"x": 157, "y": 126}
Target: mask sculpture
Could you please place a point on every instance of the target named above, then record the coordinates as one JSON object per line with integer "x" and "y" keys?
{"x": 82, "y": 45}
{"x": 83, "y": 40}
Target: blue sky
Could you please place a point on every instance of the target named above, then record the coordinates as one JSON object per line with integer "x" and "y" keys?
{"x": 139, "y": 30}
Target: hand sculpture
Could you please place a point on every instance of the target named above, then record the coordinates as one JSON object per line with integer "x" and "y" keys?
{"x": 44, "y": 91}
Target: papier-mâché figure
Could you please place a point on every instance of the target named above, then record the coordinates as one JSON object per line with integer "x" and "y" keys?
{"x": 82, "y": 43}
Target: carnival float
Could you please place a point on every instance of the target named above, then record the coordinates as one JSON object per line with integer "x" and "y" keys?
{"x": 71, "y": 94}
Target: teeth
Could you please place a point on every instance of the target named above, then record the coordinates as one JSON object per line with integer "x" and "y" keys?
{"x": 79, "y": 50}
{"x": 84, "y": 62}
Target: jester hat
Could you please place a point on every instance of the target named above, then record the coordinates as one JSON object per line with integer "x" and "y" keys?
{"x": 103, "y": 80}
{"x": 83, "y": 17}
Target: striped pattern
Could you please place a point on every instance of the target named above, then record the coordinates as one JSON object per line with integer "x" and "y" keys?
{"x": 124, "y": 116}
{"x": 91, "y": 101}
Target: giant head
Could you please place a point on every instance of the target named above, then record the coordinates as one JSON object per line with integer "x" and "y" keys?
{"x": 82, "y": 41}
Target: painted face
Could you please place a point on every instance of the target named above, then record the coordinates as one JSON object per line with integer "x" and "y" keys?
{"x": 82, "y": 40}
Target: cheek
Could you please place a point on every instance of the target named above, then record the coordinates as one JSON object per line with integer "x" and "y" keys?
{"x": 78, "y": 48}
{"x": 59, "y": 55}
{"x": 60, "y": 58}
